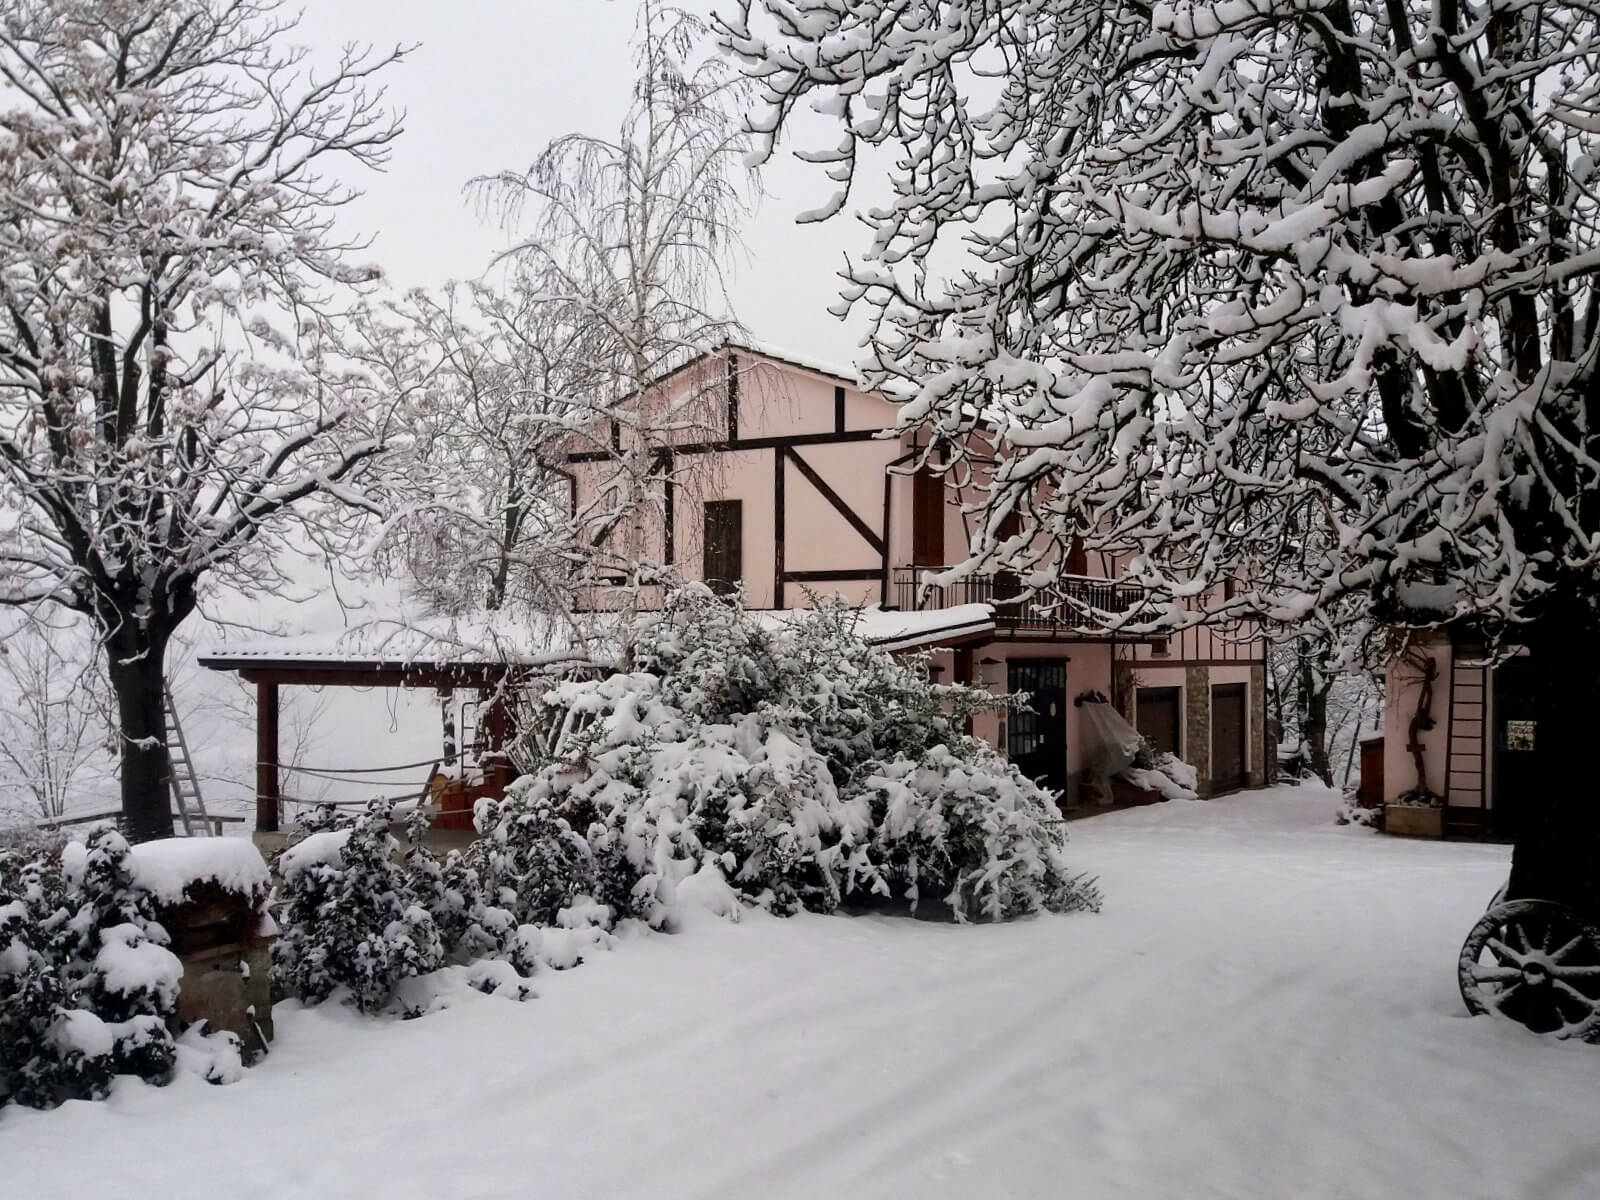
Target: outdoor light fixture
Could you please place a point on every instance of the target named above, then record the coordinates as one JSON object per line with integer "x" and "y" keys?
{"x": 991, "y": 672}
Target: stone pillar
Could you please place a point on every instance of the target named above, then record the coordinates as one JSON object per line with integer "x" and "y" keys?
{"x": 224, "y": 941}
{"x": 1197, "y": 722}
{"x": 1255, "y": 766}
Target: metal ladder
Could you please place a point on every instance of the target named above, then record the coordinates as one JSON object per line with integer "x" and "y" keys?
{"x": 181, "y": 774}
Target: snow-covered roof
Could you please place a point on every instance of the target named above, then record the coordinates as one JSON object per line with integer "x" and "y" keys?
{"x": 478, "y": 639}
{"x": 794, "y": 359}
{"x": 501, "y": 639}
{"x": 893, "y": 629}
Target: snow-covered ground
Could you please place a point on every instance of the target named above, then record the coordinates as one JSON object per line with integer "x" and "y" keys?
{"x": 1266, "y": 1008}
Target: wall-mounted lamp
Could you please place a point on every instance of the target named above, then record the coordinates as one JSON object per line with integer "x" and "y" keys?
{"x": 991, "y": 672}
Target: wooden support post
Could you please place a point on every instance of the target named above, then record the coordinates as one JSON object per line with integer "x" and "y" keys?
{"x": 267, "y": 793}
{"x": 496, "y": 732}
{"x": 964, "y": 673}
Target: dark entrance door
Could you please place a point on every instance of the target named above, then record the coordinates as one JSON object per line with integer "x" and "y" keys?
{"x": 1037, "y": 739}
{"x": 1157, "y": 710}
{"x": 1516, "y": 741}
{"x": 1227, "y": 736}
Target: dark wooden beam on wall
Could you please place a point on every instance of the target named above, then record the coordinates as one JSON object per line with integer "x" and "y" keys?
{"x": 964, "y": 674}
{"x": 733, "y": 397}
{"x": 665, "y": 466}
{"x": 843, "y": 576}
{"x": 833, "y": 498}
{"x": 267, "y": 792}
{"x": 838, "y": 410}
{"x": 888, "y": 483}
{"x": 778, "y": 504}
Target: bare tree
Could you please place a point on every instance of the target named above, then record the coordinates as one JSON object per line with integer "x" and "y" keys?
{"x": 629, "y": 236}
{"x": 508, "y": 374}
{"x": 171, "y": 396}
{"x": 53, "y": 715}
{"x": 1195, "y": 264}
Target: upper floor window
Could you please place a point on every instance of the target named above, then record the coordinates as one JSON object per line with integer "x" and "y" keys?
{"x": 927, "y": 519}
{"x": 1077, "y": 557}
{"x": 722, "y": 564}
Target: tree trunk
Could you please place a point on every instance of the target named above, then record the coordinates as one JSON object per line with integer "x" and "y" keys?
{"x": 138, "y": 672}
{"x": 1315, "y": 734}
{"x": 1557, "y": 852}
{"x": 1311, "y": 712}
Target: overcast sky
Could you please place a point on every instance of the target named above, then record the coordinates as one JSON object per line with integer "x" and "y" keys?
{"x": 490, "y": 83}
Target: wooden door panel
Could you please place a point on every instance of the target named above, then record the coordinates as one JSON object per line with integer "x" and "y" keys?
{"x": 1036, "y": 740}
{"x": 1227, "y": 736}
{"x": 1159, "y": 712}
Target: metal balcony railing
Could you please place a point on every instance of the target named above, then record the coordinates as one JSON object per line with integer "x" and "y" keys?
{"x": 1059, "y": 605}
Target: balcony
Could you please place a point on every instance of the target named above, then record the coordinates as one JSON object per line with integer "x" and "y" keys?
{"x": 1057, "y": 608}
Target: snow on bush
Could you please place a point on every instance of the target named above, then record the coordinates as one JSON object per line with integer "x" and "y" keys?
{"x": 800, "y": 765}
{"x": 88, "y": 988}
{"x": 354, "y": 918}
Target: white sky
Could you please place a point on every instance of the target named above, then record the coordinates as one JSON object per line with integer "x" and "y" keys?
{"x": 491, "y": 82}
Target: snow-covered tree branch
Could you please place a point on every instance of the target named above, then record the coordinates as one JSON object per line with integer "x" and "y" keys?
{"x": 1202, "y": 270}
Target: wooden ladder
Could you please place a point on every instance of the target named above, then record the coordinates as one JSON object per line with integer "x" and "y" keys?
{"x": 181, "y": 776}
{"x": 1464, "y": 754}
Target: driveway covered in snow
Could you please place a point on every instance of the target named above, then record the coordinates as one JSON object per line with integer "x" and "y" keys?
{"x": 1266, "y": 1008}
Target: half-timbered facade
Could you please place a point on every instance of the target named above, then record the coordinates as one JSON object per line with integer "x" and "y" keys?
{"x": 786, "y": 477}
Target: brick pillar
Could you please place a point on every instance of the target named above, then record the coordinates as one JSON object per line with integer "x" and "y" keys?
{"x": 1197, "y": 722}
{"x": 1256, "y": 751}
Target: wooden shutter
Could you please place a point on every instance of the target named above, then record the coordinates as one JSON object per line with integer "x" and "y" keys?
{"x": 723, "y": 563}
{"x": 927, "y": 519}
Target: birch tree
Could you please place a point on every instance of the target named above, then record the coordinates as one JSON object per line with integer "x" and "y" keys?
{"x": 503, "y": 376}
{"x": 631, "y": 234}
{"x": 1200, "y": 265}
{"x": 171, "y": 402}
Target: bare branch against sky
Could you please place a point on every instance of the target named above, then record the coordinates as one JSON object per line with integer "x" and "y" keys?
{"x": 493, "y": 81}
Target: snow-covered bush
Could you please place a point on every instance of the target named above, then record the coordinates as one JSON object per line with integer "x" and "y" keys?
{"x": 968, "y": 832}
{"x": 355, "y": 918}
{"x": 348, "y": 919}
{"x": 534, "y": 863}
{"x": 88, "y": 988}
{"x": 798, "y": 762}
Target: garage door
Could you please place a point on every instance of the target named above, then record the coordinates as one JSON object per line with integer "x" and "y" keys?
{"x": 1157, "y": 711}
{"x": 1227, "y": 736}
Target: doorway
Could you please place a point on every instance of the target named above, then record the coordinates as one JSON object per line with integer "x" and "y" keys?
{"x": 1516, "y": 741}
{"x": 1037, "y": 738}
{"x": 1227, "y": 736}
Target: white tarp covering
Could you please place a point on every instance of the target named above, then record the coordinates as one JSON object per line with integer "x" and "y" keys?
{"x": 1111, "y": 744}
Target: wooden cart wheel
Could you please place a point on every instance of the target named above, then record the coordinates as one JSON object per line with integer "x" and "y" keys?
{"x": 1537, "y": 963}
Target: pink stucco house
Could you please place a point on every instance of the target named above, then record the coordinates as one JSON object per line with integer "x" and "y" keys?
{"x": 783, "y": 475}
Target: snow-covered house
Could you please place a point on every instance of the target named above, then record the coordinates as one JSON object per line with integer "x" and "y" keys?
{"x": 784, "y": 476}
{"x": 1460, "y": 734}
